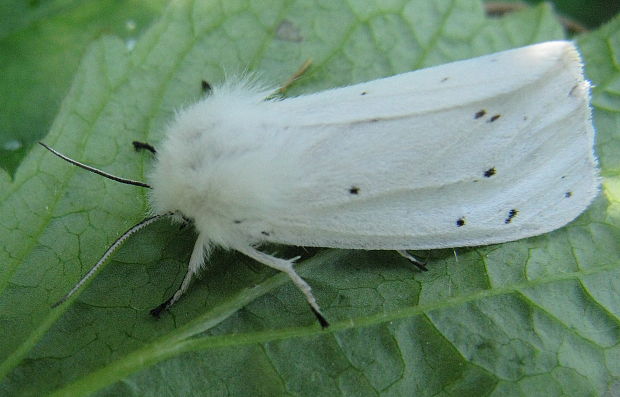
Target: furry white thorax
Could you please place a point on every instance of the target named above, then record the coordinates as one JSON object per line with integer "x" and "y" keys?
{"x": 210, "y": 166}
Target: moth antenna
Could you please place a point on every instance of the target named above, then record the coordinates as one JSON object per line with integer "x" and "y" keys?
{"x": 140, "y": 225}
{"x": 96, "y": 170}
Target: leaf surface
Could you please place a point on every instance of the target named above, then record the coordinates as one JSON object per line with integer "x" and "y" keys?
{"x": 534, "y": 316}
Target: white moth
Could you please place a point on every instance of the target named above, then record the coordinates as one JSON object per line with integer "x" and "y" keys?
{"x": 475, "y": 152}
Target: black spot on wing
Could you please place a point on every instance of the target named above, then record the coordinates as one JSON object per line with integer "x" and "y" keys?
{"x": 205, "y": 86}
{"x": 568, "y": 194}
{"x": 364, "y": 93}
{"x": 479, "y": 114}
{"x": 490, "y": 172}
{"x": 354, "y": 190}
{"x": 460, "y": 222}
{"x": 511, "y": 215}
{"x": 572, "y": 90}
{"x": 494, "y": 118}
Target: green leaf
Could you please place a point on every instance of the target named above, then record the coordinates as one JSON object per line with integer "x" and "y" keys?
{"x": 41, "y": 43}
{"x": 533, "y": 316}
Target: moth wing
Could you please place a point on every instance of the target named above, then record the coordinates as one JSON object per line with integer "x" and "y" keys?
{"x": 475, "y": 152}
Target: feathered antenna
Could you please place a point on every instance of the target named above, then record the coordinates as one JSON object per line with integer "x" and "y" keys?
{"x": 140, "y": 225}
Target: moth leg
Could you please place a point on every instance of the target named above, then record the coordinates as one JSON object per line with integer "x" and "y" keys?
{"x": 185, "y": 222}
{"x": 196, "y": 261}
{"x": 286, "y": 266}
{"x": 418, "y": 263}
{"x": 137, "y": 145}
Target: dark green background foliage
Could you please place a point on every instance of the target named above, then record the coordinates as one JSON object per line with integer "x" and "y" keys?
{"x": 534, "y": 317}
